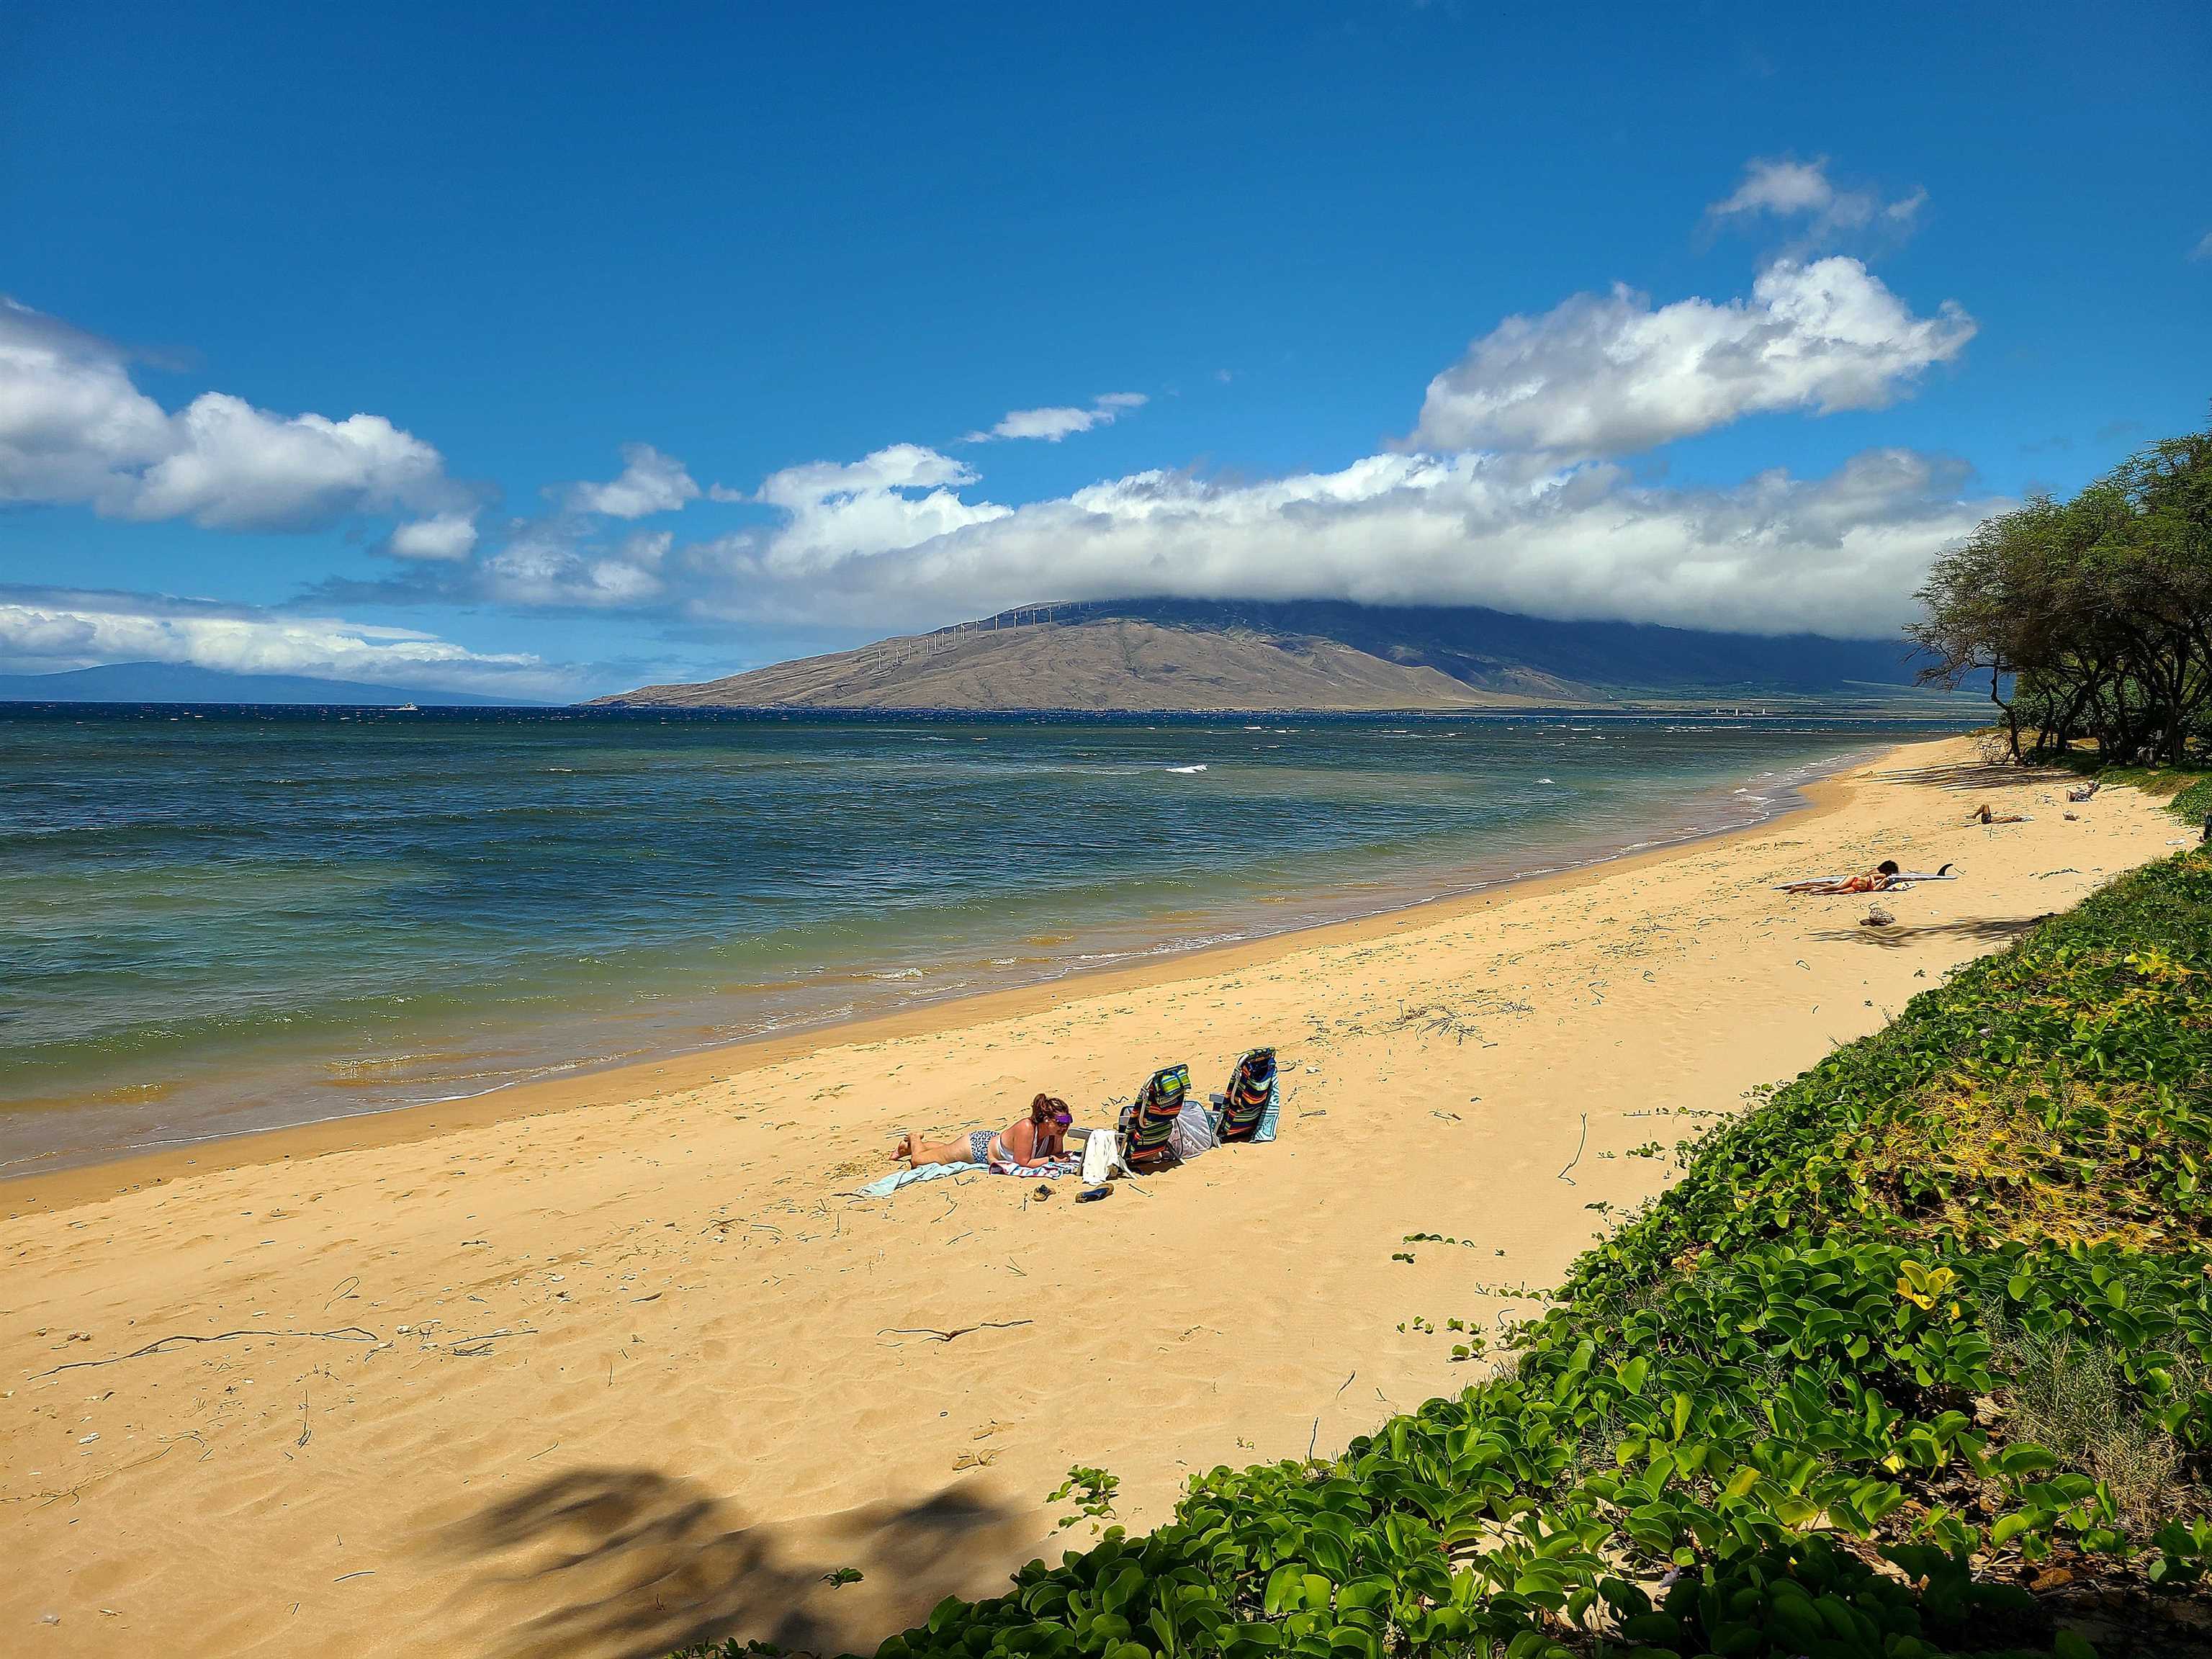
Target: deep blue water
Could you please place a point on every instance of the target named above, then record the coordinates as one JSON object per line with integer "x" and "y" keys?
{"x": 212, "y": 921}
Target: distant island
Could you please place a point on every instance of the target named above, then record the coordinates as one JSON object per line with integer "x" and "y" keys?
{"x": 176, "y": 682}
{"x": 1163, "y": 656}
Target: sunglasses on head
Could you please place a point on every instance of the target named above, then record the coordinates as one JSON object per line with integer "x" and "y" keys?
{"x": 1063, "y": 1118}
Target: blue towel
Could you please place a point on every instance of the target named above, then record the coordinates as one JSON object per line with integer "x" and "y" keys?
{"x": 885, "y": 1186}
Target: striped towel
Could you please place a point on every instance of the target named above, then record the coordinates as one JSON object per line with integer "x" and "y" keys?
{"x": 1051, "y": 1169}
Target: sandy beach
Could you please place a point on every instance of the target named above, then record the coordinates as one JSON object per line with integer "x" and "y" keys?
{"x": 604, "y": 1369}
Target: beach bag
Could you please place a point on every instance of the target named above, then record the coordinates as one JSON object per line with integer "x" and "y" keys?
{"x": 1193, "y": 1130}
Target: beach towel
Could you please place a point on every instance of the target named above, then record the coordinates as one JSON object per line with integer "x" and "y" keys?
{"x": 1052, "y": 1168}
{"x": 1903, "y": 878}
{"x": 1247, "y": 1110}
{"x": 885, "y": 1186}
{"x": 1148, "y": 1122}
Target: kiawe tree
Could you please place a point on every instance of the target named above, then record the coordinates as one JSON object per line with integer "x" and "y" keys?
{"x": 2091, "y": 617}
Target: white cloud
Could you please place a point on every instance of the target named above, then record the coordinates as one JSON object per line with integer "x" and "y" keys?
{"x": 897, "y": 498}
{"x": 2203, "y": 248}
{"x": 1784, "y": 189}
{"x": 897, "y": 466}
{"x": 446, "y": 536}
{"x": 1055, "y": 423}
{"x": 1837, "y": 555}
{"x": 1780, "y": 187}
{"x": 75, "y": 429}
{"x": 45, "y": 629}
{"x": 650, "y": 483}
{"x": 1606, "y": 375}
{"x": 548, "y": 565}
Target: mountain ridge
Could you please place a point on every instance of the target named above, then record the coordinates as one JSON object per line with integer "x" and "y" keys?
{"x": 1163, "y": 655}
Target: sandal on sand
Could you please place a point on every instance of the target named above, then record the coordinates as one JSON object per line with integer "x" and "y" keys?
{"x": 1043, "y": 1190}
{"x": 1090, "y": 1194}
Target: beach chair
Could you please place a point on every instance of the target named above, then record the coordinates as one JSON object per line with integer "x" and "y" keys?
{"x": 1240, "y": 1110}
{"x": 1148, "y": 1122}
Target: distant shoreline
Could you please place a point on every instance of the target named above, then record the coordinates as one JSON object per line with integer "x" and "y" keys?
{"x": 1771, "y": 709}
{"x": 588, "y": 1081}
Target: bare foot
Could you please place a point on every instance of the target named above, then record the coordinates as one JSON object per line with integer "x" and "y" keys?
{"x": 905, "y": 1148}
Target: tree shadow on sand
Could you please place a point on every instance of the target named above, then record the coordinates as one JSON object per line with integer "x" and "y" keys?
{"x": 1980, "y": 930}
{"x": 1976, "y": 775}
{"x": 629, "y": 1563}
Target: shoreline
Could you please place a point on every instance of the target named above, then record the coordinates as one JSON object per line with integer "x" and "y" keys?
{"x": 603, "y": 1381}
{"x": 45, "y": 1190}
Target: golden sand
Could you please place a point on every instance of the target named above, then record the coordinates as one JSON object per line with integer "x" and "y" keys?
{"x": 609, "y": 1366}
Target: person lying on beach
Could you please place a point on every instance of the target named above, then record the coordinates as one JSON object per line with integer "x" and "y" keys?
{"x": 2085, "y": 792}
{"x": 1027, "y": 1141}
{"x": 1986, "y": 817}
{"x": 1876, "y": 880}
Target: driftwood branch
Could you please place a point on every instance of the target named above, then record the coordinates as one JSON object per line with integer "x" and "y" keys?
{"x": 344, "y": 1333}
{"x": 947, "y": 1336}
{"x": 1577, "y": 1157}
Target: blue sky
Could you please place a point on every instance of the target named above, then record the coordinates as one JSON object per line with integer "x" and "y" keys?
{"x": 1878, "y": 273}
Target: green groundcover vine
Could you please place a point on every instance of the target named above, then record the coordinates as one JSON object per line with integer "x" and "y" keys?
{"x": 1916, "y": 1358}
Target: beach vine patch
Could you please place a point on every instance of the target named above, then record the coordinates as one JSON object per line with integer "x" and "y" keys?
{"x": 1914, "y": 1359}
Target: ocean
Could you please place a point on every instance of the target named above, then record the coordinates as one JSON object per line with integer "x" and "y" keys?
{"x": 213, "y": 921}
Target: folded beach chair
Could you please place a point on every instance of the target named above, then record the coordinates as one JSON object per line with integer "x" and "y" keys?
{"x": 1148, "y": 1122}
{"x": 1248, "y": 1101}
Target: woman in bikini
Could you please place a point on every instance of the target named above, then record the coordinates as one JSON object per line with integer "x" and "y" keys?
{"x": 1876, "y": 880}
{"x": 1027, "y": 1140}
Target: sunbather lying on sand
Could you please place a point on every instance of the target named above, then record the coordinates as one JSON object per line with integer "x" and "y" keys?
{"x": 1027, "y": 1140}
{"x": 1876, "y": 880}
{"x": 2085, "y": 792}
{"x": 1987, "y": 816}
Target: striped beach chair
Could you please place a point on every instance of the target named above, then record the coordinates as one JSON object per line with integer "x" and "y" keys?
{"x": 1148, "y": 1122}
{"x": 1239, "y": 1109}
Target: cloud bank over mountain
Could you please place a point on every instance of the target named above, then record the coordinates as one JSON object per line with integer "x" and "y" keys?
{"x": 44, "y": 630}
{"x": 1512, "y": 489}
{"x": 1509, "y": 492}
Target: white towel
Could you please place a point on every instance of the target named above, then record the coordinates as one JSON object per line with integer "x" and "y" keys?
{"x": 1102, "y": 1157}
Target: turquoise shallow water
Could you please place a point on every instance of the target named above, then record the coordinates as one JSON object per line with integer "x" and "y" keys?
{"x": 213, "y": 923}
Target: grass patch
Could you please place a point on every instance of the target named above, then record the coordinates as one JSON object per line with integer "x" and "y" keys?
{"x": 2071, "y": 1395}
{"x": 1913, "y": 1360}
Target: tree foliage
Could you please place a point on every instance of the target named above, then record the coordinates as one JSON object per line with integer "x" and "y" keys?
{"x": 2093, "y": 617}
